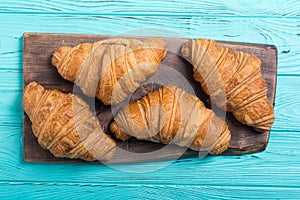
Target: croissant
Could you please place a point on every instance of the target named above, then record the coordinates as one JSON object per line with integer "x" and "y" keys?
{"x": 233, "y": 80}
{"x": 65, "y": 126}
{"x": 170, "y": 115}
{"x": 110, "y": 69}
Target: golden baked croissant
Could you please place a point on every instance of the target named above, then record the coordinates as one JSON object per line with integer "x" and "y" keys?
{"x": 65, "y": 126}
{"x": 170, "y": 115}
{"x": 233, "y": 80}
{"x": 110, "y": 69}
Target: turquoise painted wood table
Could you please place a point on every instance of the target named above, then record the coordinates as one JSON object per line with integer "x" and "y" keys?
{"x": 274, "y": 173}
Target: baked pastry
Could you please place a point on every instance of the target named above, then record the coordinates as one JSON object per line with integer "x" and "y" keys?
{"x": 233, "y": 80}
{"x": 170, "y": 115}
{"x": 110, "y": 69}
{"x": 65, "y": 126}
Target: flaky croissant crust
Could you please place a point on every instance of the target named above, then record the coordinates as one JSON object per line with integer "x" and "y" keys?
{"x": 233, "y": 80}
{"x": 110, "y": 69}
{"x": 65, "y": 126}
{"x": 170, "y": 115}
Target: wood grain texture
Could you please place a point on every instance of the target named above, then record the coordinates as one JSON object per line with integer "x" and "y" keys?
{"x": 213, "y": 8}
{"x": 38, "y": 49}
{"x": 282, "y": 32}
{"x": 94, "y": 191}
{"x": 225, "y": 171}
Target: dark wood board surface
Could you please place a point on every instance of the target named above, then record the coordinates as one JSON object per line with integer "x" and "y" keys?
{"x": 37, "y": 51}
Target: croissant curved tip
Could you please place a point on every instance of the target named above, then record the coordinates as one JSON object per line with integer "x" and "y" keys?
{"x": 32, "y": 87}
{"x": 261, "y": 129}
{"x": 118, "y": 132}
{"x": 31, "y": 93}
{"x": 222, "y": 143}
{"x": 186, "y": 49}
{"x": 159, "y": 45}
{"x": 58, "y": 55}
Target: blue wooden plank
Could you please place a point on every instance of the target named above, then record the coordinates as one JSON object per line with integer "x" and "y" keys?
{"x": 287, "y": 104}
{"x": 278, "y": 166}
{"x": 282, "y": 32}
{"x": 11, "y": 109}
{"x": 97, "y": 191}
{"x": 213, "y": 8}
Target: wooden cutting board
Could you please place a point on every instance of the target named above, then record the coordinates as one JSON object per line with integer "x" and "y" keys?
{"x": 37, "y": 51}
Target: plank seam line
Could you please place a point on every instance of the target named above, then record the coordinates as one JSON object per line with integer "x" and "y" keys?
{"x": 143, "y": 14}
{"x": 288, "y": 74}
{"x": 138, "y": 184}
